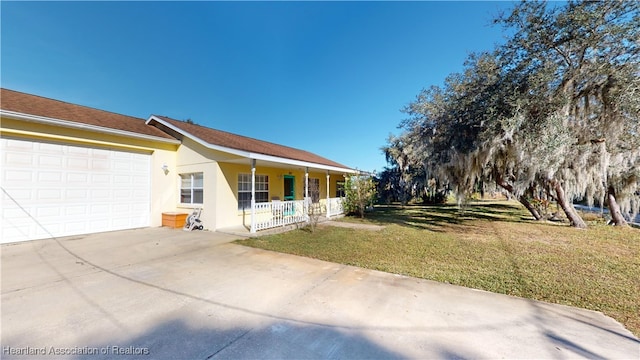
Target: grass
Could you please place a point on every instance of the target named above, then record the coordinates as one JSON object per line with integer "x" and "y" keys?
{"x": 492, "y": 246}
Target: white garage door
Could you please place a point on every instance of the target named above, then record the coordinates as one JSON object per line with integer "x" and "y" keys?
{"x": 59, "y": 190}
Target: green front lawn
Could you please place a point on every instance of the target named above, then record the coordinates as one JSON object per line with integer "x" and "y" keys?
{"x": 492, "y": 246}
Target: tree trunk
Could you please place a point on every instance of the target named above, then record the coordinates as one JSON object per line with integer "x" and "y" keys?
{"x": 614, "y": 208}
{"x": 523, "y": 200}
{"x": 574, "y": 219}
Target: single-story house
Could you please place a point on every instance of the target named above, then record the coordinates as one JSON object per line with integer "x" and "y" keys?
{"x": 67, "y": 169}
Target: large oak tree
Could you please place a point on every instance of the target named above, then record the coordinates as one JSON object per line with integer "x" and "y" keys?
{"x": 553, "y": 112}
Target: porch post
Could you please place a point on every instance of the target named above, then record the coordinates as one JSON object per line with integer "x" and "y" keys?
{"x": 306, "y": 191}
{"x": 253, "y": 195}
{"x": 328, "y": 201}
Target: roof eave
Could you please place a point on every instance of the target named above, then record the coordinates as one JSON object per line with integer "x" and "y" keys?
{"x": 248, "y": 154}
{"x": 80, "y": 126}
{"x": 293, "y": 162}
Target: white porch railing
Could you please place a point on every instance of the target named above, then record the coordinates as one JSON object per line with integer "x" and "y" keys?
{"x": 281, "y": 213}
{"x": 334, "y": 207}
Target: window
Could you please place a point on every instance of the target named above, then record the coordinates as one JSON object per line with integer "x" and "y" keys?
{"x": 339, "y": 188}
{"x": 244, "y": 190}
{"x": 314, "y": 190}
{"x": 191, "y": 188}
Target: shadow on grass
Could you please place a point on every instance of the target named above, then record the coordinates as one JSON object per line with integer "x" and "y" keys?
{"x": 435, "y": 217}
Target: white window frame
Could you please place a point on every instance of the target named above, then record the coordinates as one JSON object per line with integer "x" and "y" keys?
{"x": 192, "y": 187}
{"x": 244, "y": 187}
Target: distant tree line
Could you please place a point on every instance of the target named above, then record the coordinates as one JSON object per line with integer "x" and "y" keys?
{"x": 550, "y": 115}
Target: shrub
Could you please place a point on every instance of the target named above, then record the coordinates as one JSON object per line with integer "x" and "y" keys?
{"x": 360, "y": 193}
{"x": 438, "y": 198}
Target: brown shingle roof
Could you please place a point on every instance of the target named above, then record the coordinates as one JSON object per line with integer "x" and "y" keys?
{"x": 243, "y": 143}
{"x": 11, "y": 100}
{"x": 16, "y": 101}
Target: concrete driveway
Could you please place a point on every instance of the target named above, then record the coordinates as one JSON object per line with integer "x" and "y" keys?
{"x": 161, "y": 293}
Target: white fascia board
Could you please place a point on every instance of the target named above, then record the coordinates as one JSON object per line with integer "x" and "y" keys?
{"x": 299, "y": 163}
{"x": 75, "y": 125}
{"x": 251, "y": 155}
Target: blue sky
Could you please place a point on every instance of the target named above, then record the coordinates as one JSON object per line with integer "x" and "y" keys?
{"x": 327, "y": 77}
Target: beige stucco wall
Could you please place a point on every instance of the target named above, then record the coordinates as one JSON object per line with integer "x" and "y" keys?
{"x": 162, "y": 199}
{"x": 194, "y": 158}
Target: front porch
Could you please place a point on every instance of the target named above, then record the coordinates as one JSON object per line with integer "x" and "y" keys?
{"x": 276, "y": 195}
{"x": 267, "y": 215}
{"x": 279, "y": 216}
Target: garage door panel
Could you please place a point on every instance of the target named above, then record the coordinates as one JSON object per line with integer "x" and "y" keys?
{"x": 100, "y": 194}
{"x": 78, "y": 177}
{"x": 122, "y": 165}
{"x": 100, "y": 154}
{"x": 76, "y": 151}
{"x": 120, "y": 223}
{"x": 49, "y": 194}
{"x": 19, "y": 176}
{"x": 50, "y": 148}
{"x": 71, "y": 190}
{"x": 100, "y": 164}
{"x": 77, "y": 164}
{"x": 44, "y": 212}
{"x": 77, "y": 195}
{"x": 124, "y": 155}
{"x": 76, "y": 211}
{"x": 140, "y": 180}
{"x": 15, "y": 230}
{"x": 122, "y": 194}
{"x": 99, "y": 179}
{"x": 15, "y": 214}
{"x": 137, "y": 220}
{"x": 49, "y": 162}
{"x": 138, "y": 193}
{"x": 75, "y": 227}
{"x": 98, "y": 224}
{"x": 99, "y": 210}
{"x": 17, "y": 159}
{"x": 139, "y": 209}
{"x": 12, "y": 144}
{"x": 122, "y": 180}
{"x": 21, "y": 195}
{"x": 42, "y": 232}
{"x": 138, "y": 167}
{"x": 123, "y": 208}
{"x": 50, "y": 176}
